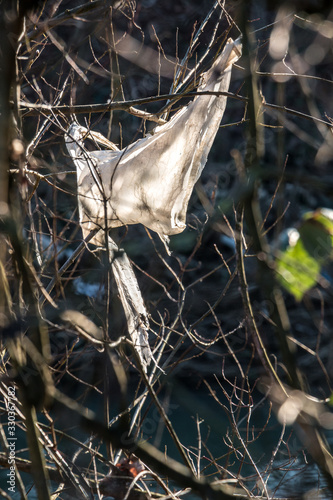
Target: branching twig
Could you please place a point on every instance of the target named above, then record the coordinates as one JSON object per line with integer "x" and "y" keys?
{"x": 29, "y": 109}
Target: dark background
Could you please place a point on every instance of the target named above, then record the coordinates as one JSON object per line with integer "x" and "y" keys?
{"x": 214, "y": 374}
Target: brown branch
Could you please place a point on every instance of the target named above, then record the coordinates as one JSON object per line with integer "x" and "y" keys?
{"x": 30, "y": 109}
{"x": 284, "y": 109}
{"x": 69, "y": 262}
{"x": 150, "y": 455}
{"x": 253, "y": 216}
{"x": 249, "y": 314}
{"x": 67, "y": 15}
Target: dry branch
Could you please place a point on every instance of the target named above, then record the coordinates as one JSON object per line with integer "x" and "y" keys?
{"x": 30, "y": 109}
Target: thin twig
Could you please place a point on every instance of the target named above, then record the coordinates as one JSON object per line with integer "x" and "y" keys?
{"x": 68, "y": 263}
{"x": 30, "y": 109}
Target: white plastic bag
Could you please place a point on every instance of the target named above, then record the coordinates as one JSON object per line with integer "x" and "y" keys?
{"x": 151, "y": 181}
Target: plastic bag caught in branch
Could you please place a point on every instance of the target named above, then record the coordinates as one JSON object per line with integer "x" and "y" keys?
{"x": 151, "y": 181}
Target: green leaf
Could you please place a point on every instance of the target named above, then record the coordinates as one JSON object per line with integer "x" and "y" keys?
{"x": 297, "y": 270}
{"x": 299, "y": 265}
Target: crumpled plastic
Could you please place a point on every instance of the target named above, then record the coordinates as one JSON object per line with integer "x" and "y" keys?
{"x": 151, "y": 181}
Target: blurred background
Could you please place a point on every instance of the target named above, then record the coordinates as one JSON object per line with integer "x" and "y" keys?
{"x": 241, "y": 307}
